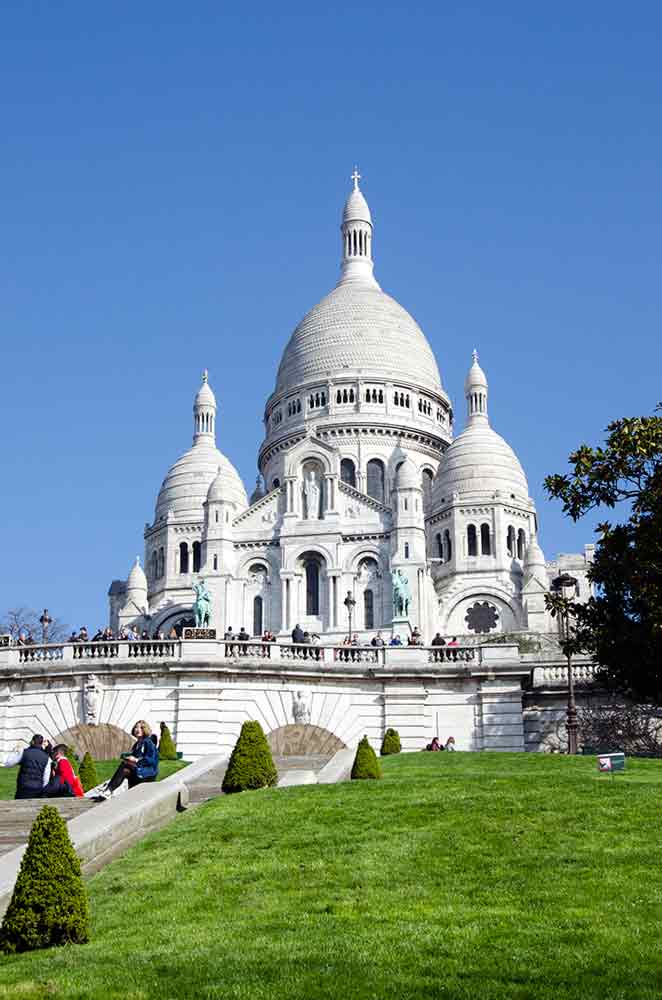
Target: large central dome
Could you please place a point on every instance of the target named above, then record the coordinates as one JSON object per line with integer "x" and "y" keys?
{"x": 358, "y": 327}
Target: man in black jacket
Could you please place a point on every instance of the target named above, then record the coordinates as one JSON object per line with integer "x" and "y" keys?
{"x": 34, "y": 769}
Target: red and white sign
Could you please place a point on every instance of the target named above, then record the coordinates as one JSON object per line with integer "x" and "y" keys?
{"x": 604, "y": 763}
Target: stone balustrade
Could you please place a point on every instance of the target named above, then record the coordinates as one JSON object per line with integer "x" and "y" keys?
{"x": 210, "y": 650}
{"x": 556, "y": 675}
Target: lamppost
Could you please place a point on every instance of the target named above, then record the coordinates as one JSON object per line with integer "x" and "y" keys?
{"x": 350, "y": 604}
{"x": 566, "y": 586}
{"x": 45, "y": 621}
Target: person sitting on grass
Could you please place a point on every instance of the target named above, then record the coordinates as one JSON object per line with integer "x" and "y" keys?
{"x": 450, "y": 743}
{"x": 434, "y": 744}
{"x": 140, "y": 764}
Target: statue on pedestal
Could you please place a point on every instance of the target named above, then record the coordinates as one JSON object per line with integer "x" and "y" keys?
{"x": 311, "y": 495}
{"x": 401, "y": 594}
{"x": 202, "y": 605}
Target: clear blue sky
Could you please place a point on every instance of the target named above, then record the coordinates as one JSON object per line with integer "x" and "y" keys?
{"x": 172, "y": 177}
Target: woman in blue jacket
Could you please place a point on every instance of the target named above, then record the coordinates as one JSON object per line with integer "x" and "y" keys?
{"x": 140, "y": 764}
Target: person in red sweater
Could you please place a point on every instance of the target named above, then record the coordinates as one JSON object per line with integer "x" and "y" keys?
{"x": 63, "y": 780}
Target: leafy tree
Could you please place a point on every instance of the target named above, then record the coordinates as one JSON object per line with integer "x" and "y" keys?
{"x": 167, "y": 748}
{"x": 88, "y": 773}
{"x": 251, "y": 764}
{"x": 365, "y": 763}
{"x": 391, "y": 742}
{"x": 49, "y": 905}
{"x": 621, "y": 626}
{"x": 21, "y": 620}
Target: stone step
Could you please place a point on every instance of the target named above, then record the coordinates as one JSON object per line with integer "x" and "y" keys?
{"x": 309, "y": 762}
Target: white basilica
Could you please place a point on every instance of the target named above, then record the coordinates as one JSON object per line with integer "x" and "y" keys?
{"x": 360, "y": 475}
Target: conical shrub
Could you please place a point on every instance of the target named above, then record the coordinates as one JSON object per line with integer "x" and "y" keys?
{"x": 49, "y": 905}
{"x": 365, "y": 763}
{"x": 88, "y": 773}
{"x": 167, "y": 748}
{"x": 251, "y": 764}
{"x": 72, "y": 757}
{"x": 391, "y": 743}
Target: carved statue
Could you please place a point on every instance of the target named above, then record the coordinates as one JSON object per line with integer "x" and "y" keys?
{"x": 311, "y": 494}
{"x": 401, "y": 594}
{"x": 202, "y": 605}
{"x": 300, "y": 709}
{"x": 91, "y": 699}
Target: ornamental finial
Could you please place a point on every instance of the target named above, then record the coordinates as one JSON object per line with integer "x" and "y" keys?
{"x": 474, "y": 356}
{"x": 356, "y": 177}
{"x": 205, "y": 376}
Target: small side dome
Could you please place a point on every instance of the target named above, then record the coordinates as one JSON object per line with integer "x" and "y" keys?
{"x": 534, "y": 561}
{"x": 136, "y": 579}
{"x": 221, "y": 487}
{"x": 356, "y": 208}
{"x": 408, "y": 477}
{"x": 258, "y": 492}
{"x": 476, "y": 377}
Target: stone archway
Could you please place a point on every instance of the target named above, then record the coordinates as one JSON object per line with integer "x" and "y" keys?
{"x": 104, "y": 742}
{"x": 303, "y": 741}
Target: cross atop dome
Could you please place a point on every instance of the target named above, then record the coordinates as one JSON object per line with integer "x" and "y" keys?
{"x": 356, "y": 177}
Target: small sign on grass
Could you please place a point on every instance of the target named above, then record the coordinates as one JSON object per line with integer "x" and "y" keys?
{"x": 611, "y": 762}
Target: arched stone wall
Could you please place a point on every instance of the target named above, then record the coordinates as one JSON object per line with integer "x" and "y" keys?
{"x": 104, "y": 742}
{"x": 302, "y": 741}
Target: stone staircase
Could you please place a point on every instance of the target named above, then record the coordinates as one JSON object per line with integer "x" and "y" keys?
{"x": 16, "y": 818}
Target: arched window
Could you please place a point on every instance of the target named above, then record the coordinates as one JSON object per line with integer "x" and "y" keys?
{"x": 216, "y": 516}
{"x": 154, "y": 563}
{"x": 215, "y": 562}
{"x": 472, "y": 542}
{"x": 510, "y": 541}
{"x": 521, "y": 543}
{"x": 427, "y": 486}
{"x": 485, "y": 547}
{"x": 448, "y": 547}
{"x": 339, "y": 396}
{"x": 381, "y": 395}
{"x": 367, "y": 395}
{"x": 406, "y": 550}
{"x": 440, "y": 547}
{"x": 183, "y": 557}
{"x": 257, "y": 615}
{"x": 196, "y": 557}
{"x": 375, "y": 479}
{"x": 275, "y": 484}
{"x": 368, "y": 609}
{"x": 312, "y": 587}
{"x": 161, "y": 571}
{"x": 348, "y": 472}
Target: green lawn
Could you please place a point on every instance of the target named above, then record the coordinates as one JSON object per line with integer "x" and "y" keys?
{"x": 105, "y": 769}
{"x": 476, "y": 876}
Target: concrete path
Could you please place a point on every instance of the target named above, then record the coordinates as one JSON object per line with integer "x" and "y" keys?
{"x": 16, "y": 818}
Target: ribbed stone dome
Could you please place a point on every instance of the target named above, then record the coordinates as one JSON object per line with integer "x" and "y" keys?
{"x": 185, "y": 487}
{"x": 479, "y": 461}
{"x": 358, "y": 326}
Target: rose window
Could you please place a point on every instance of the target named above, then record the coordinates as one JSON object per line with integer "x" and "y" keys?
{"x": 482, "y": 617}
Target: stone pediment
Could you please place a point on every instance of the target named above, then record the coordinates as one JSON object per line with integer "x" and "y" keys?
{"x": 261, "y": 515}
{"x": 356, "y": 506}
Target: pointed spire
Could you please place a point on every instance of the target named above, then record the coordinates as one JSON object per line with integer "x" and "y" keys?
{"x": 356, "y": 229}
{"x": 204, "y": 413}
{"x": 475, "y": 391}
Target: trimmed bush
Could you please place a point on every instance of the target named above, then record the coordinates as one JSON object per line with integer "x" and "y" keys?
{"x": 251, "y": 764}
{"x": 49, "y": 905}
{"x": 72, "y": 757}
{"x": 167, "y": 748}
{"x": 391, "y": 742}
{"x": 88, "y": 773}
{"x": 365, "y": 763}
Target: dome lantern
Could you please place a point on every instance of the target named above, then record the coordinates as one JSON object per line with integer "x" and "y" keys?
{"x": 356, "y": 232}
{"x": 204, "y": 413}
{"x": 475, "y": 391}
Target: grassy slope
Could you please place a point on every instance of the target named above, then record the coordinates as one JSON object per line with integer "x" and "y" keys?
{"x": 105, "y": 768}
{"x": 475, "y": 876}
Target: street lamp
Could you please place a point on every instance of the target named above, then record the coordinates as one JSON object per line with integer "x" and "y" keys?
{"x": 566, "y": 586}
{"x": 45, "y": 621}
{"x": 350, "y": 604}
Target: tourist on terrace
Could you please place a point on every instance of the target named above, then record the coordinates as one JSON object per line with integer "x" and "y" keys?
{"x": 297, "y": 634}
{"x": 453, "y": 642}
{"x": 34, "y": 768}
{"x": 82, "y": 635}
{"x": 140, "y": 764}
{"x": 159, "y": 634}
{"x": 438, "y": 640}
{"x": 395, "y": 641}
{"x": 415, "y": 639}
{"x": 98, "y": 636}
{"x": 63, "y": 780}
{"x": 172, "y": 634}
{"x": 377, "y": 640}
{"x": 73, "y": 637}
